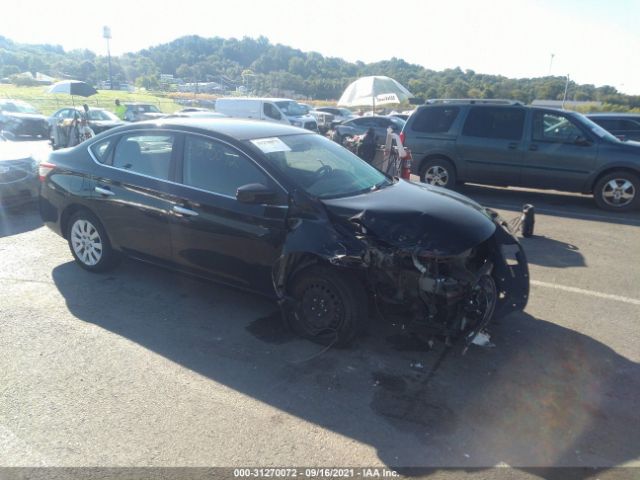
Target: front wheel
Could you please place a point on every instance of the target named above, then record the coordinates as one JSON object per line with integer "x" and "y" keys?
{"x": 331, "y": 306}
{"x": 438, "y": 172}
{"x": 617, "y": 191}
{"x": 89, "y": 243}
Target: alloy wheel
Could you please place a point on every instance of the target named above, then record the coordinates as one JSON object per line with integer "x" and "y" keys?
{"x": 437, "y": 175}
{"x": 86, "y": 242}
{"x": 618, "y": 192}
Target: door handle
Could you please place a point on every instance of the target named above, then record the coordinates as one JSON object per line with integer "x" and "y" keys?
{"x": 512, "y": 146}
{"x": 533, "y": 148}
{"x": 104, "y": 191}
{"x": 184, "y": 211}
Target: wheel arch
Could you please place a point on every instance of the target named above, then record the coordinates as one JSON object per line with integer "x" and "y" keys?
{"x": 610, "y": 169}
{"x": 70, "y": 211}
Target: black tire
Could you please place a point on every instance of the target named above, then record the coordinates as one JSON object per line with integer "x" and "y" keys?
{"x": 611, "y": 191}
{"x": 341, "y": 300}
{"x": 89, "y": 243}
{"x": 439, "y": 172}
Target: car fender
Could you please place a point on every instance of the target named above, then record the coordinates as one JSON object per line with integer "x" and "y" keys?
{"x": 606, "y": 168}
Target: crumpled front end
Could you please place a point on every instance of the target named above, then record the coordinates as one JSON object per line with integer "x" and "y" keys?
{"x": 444, "y": 269}
{"x": 451, "y": 295}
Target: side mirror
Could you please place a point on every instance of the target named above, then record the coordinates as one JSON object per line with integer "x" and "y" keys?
{"x": 255, "y": 194}
{"x": 582, "y": 141}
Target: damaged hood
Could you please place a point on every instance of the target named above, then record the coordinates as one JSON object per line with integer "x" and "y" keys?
{"x": 409, "y": 215}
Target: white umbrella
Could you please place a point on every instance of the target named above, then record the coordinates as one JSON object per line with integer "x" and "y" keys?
{"x": 374, "y": 90}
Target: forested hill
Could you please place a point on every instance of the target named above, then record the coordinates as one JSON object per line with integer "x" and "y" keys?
{"x": 263, "y": 67}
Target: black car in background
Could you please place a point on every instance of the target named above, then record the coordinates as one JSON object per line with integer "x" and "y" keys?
{"x": 21, "y": 121}
{"x": 625, "y": 126}
{"x": 289, "y": 214}
{"x": 360, "y": 125}
{"x": 99, "y": 119}
{"x": 499, "y": 142}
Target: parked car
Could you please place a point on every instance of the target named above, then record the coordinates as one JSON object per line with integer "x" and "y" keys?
{"x": 625, "y": 126}
{"x": 323, "y": 119}
{"x": 136, "y": 112}
{"x": 289, "y": 214}
{"x": 21, "y": 121}
{"x": 360, "y": 125}
{"x": 18, "y": 174}
{"x": 99, "y": 119}
{"x": 195, "y": 112}
{"x": 511, "y": 144}
{"x": 339, "y": 114}
{"x": 278, "y": 110}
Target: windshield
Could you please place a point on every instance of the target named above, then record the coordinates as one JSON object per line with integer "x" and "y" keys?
{"x": 321, "y": 167}
{"x": 291, "y": 108}
{"x": 18, "y": 107}
{"x": 597, "y": 129}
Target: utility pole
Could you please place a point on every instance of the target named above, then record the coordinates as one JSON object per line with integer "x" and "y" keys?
{"x": 106, "y": 34}
{"x": 566, "y": 87}
{"x": 551, "y": 63}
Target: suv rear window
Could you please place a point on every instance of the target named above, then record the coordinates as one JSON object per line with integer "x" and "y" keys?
{"x": 435, "y": 119}
{"x": 504, "y": 123}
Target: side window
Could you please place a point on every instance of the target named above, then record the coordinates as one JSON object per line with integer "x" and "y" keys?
{"x": 146, "y": 154}
{"x": 101, "y": 150}
{"x": 271, "y": 111}
{"x": 435, "y": 119}
{"x": 217, "y": 168}
{"x": 607, "y": 124}
{"x": 629, "y": 125}
{"x": 554, "y": 127}
{"x": 503, "y": 123}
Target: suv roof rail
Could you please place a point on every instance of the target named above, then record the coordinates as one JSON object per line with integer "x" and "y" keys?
{"x": 479, "y": 101}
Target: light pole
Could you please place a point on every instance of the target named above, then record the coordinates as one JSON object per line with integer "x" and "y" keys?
{"x": 106, "y": 34}
{"x": 551, "y": 63}
{"x": 566, "y": 87}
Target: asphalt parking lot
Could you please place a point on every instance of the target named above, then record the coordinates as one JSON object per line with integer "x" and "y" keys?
{"x": 143, "y": 367}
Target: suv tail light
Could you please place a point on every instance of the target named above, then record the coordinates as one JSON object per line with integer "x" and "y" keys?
{"x": 43, "y": 170}
{"x": 402, "y": 137}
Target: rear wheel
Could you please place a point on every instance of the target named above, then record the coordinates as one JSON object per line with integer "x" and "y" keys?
{"x": 438, "y": 172}
{"x": 331, "y": 306}
{"x": 618, "y": 191}
{"x": 89, "y": 243}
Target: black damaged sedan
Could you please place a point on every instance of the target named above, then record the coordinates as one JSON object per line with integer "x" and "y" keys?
{"x": 289, "y": 214}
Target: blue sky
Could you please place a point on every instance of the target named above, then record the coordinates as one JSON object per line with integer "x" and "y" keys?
{"x": 592, "y": 41}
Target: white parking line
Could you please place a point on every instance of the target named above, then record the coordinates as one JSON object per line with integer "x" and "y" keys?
{"x": 608, "y": 296}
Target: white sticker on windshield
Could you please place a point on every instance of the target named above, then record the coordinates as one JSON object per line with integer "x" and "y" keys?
{"x": 270, "y": 145}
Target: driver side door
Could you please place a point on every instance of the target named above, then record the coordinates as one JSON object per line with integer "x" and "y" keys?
{"x": 215, "y": 235}
{"x": 553, "y": 158}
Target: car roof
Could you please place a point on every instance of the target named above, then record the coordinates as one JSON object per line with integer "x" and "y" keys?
{"x": 613, "y": 115}
{"x": 237, "y": 128}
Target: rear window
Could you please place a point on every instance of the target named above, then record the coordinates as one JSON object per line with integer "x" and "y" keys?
{"x": 502, "y": 123}
{"x": 435, "y": 119}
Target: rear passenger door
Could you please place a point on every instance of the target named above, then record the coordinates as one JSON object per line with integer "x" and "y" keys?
{"x": 131, "y": 191}
{"x": 491, "y": 145}
{"x": 217, "y": 236}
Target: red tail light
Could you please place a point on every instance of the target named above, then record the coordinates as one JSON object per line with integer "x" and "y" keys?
{"x": 43, "y": 170}
{"x": 405, "y": 171}
{"x": 402, "y": 137}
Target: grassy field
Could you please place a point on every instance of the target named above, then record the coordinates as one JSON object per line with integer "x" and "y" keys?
{"x": 48, "y": 103}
